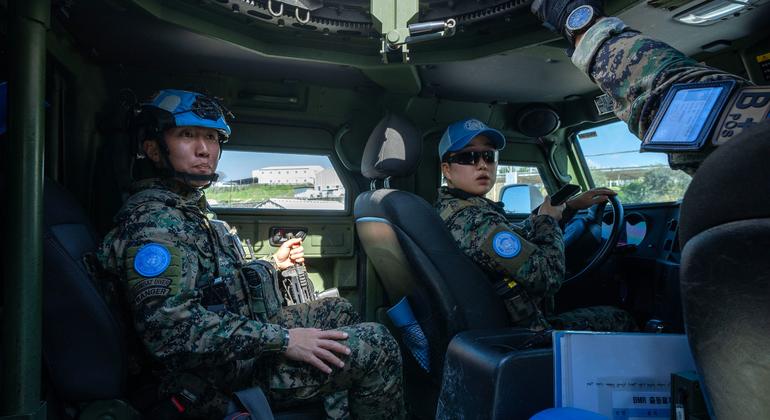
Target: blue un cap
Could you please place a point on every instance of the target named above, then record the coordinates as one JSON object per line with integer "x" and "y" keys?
{"x": 460, "y": 133}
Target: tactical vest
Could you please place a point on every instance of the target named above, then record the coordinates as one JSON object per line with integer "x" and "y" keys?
{"x": 245, "y": 288}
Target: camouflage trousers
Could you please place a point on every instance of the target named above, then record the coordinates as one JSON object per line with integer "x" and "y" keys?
{"x": 371, "y": 375}
{"x": 369, "y": 386}
{"x": 594, "y": 318}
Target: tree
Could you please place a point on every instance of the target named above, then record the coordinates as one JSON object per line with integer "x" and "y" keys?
{"x": 660, "y": 184}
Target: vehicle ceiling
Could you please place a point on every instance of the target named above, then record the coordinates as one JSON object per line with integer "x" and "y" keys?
{"x": 507, "y": 57}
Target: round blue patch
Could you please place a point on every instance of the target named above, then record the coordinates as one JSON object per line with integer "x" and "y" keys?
{"x": 151, "y": 260}
{"x": 506, "y": 244}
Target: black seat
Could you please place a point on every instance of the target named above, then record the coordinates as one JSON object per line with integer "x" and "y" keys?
{"x": 84, "y": 344}
{"x": 725, "y": 275}
{"x": 415, "y": 256}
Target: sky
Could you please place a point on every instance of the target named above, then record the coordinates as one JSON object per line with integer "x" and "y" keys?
{"x": 238, "y": 165}
{"x": 602, "y": 151}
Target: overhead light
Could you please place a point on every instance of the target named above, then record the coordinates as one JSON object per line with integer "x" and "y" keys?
{"x": 711, "y": 12}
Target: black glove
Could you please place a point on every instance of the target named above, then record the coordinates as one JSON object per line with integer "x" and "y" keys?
{"x": 553, "y": 13}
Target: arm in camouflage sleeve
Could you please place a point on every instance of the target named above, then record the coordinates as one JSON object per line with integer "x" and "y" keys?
{"x": 636, "y": 71}
{"x": 538, "y": 267}
{"x": 167, "y": 312}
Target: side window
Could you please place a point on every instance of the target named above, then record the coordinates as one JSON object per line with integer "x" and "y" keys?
{"x": 613, "y": 158}
{"x": 284, "y": 181}
{"x": 520, "y": 188}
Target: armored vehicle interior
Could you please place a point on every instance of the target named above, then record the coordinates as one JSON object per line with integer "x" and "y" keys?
{"x": 309, "y": 83}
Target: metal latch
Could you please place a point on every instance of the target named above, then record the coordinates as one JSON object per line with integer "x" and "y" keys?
{"x": 394, "y": 19}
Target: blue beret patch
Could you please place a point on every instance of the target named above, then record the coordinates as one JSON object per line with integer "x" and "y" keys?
{"x": 151, "y": 260}
{"x": 506, "y": 244}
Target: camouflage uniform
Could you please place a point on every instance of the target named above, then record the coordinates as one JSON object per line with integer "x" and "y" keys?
{"x": 537, "y": 267}
{"x": 206, "y": 354}
{"x": 636, "y": 72}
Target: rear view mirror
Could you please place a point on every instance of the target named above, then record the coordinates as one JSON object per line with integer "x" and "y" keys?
{"x": 520, "y": 198}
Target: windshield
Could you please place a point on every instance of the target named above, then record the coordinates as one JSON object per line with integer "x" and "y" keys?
{"x": 613, "y": 158}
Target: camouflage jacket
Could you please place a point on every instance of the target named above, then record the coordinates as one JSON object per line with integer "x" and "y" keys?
{"x": 636, "y": 72}
{"x": 531, "y": 254}
{"x": 166, "y": 308}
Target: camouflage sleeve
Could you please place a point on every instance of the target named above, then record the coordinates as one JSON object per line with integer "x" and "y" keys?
{"x": 166, "y": 307}
{"x": 534, "y": 259}
{"x": 636, "y": 71}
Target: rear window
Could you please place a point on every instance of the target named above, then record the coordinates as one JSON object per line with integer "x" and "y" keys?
{"x": 276, "y": 181}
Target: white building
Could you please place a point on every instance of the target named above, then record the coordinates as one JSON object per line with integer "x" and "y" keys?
{"x": 328, "y": 184}
{"x": 287, "y": 175}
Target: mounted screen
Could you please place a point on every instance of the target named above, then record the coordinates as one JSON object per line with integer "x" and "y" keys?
{"x": 687, "y": 116}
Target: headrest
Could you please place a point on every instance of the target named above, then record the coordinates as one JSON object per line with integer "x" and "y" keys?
{"x": 730, "y": 185}
{"x": 393, "y": 149}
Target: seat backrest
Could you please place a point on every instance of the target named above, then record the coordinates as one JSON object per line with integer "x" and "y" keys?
{"x": 725, "y": 274}
{"x": 83, "y": 340}
{"x": 412, "y": 251}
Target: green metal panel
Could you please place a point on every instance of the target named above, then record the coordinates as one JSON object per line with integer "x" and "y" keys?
{"x": 22, "y": 268}
{"x": 390, "y": 15}
{"x": 397, "y": 79}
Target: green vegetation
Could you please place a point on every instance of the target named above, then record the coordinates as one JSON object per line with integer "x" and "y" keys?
{"x": 253, "y": 193}
{"x": 659, "y": 184}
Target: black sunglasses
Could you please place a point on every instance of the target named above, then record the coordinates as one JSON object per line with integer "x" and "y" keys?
{"x": 472, "y": 158}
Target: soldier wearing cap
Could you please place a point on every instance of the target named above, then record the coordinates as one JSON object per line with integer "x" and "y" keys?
{"x": 524, "y": 262}
{"x": 211, "y": 329}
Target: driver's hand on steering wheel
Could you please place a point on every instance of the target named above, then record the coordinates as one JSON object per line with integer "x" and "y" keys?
{"x": 547, "y": 209}
{"x": 590, "y": 197}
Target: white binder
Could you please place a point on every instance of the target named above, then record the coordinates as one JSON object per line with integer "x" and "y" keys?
{"x": 620, "y": 375}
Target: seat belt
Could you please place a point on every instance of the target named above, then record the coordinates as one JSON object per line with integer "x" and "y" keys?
{"x": 250, "y": 401}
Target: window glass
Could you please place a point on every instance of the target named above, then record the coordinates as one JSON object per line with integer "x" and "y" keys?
{"x": 276, "y": 181}
{"x": 614, "y": 160}
{"x": 520, "y": 188}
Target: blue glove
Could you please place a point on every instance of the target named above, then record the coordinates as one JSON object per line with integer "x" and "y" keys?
{"x": 402, "y": 316}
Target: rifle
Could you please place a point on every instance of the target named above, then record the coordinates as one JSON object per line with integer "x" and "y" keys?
{"x": 297, "y": 287}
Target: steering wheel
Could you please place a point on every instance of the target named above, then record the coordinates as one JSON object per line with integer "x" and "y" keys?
{"x": 587, "y": 229}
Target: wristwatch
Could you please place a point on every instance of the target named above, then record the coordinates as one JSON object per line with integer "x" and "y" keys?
{"x": 578, "y": 21}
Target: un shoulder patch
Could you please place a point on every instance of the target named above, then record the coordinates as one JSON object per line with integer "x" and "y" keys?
{"x": 506, "y": 244}
{"x": 152, "y": 260}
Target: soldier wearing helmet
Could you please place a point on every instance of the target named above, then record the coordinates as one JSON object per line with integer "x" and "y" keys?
{"x": 176, "y": 119}
{"x": 211, "y": 326}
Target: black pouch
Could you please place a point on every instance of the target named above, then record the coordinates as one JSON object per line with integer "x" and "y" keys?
{"x": 519, "y": 308}
{"x": 261, "y": 281}
{"x": 516, "y": 301}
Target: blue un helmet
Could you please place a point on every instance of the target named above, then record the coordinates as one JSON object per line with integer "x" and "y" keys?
{"x": 171, "y": 108}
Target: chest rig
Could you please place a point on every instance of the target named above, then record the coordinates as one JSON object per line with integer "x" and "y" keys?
{"x": 252, "y": 286}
